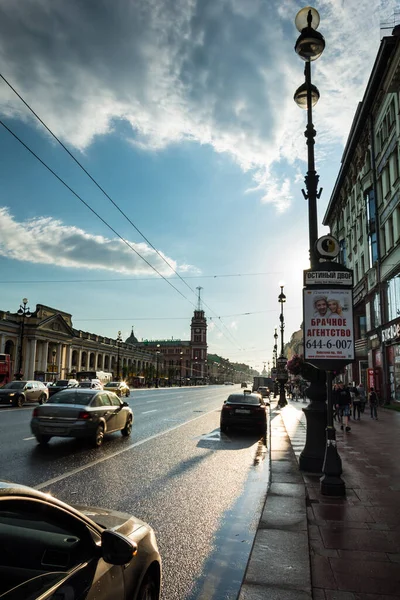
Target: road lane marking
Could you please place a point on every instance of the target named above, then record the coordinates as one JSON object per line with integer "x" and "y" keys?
{"x": 7, "y": 410}
{"x": 146, "y": 412}
{"x": 187, "y": 403}
{"x": 150, "y": 401}
{"x": 117, "y": 453}
{"x": 29, "y": 438}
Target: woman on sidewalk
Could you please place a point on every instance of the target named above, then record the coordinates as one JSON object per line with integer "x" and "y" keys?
{"x": 373, "y": 403}
{"x": 356, "y": 404}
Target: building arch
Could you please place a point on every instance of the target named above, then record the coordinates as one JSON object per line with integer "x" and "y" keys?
{"x": 84, "y": 360}
{"x": 10, "y": 349}
{"x": 100, "y": 361}
{"x": 74, "y": 358}
{"x": 106, "y": 362}
{"x": 92, "y": 359}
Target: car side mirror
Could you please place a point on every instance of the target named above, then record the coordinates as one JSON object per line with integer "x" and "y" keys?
{"x": 116, "y": 549}
{"x": 125, "y": 404}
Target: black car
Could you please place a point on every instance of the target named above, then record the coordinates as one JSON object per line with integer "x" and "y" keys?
{"x": 53, "y": 550}
{"x": 81, "y": 413}
{"x": 244, "y": 411}
{"x": 62, "y": 384}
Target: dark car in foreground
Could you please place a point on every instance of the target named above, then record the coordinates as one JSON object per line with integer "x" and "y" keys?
{"x": 246, "y": 410}
{"x": 51, "y": 550}
{"x": 81, "y": 413}
{"x": 17, "y": 393}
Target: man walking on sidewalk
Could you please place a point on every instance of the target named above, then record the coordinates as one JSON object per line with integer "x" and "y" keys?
{"x": 344, "y": 404}
{"x": 373, "y": 403}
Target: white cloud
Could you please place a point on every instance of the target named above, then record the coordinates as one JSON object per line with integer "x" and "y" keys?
{"x": 52, "y": 243}
{"x": 220, "y": 73}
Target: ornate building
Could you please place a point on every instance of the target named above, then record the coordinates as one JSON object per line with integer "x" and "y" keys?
{"x": 48, "y": 347}
{"x": 364, "y": 215}
{"x": 44, "y": 345}
{"x": 177, "y": 359}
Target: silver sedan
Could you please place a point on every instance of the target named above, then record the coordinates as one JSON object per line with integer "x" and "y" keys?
{"x": 81, "y": 413}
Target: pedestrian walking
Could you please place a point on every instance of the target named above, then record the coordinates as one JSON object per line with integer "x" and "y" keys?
{"x": 363, "y": 398}
{"x": 373, "y": 403}
{"x": 344, "y": 402}
{"x": 296, "y": 393}
{"x": 356, "y": 404}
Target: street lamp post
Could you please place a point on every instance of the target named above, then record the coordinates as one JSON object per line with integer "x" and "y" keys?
{"x": 180, "y": 379}
{"x": 282, "y": 373}
{"x": 309, "y": 46}
{"x": 275, "y": 358}
{"x": 25, "y": 313}
{"x": 53, "y": 363}
{"x": 157, "y": 363}
{"x": 119, "y": 340}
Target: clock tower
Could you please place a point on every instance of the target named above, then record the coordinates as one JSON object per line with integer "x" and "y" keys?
{"x": 198, "y": 343}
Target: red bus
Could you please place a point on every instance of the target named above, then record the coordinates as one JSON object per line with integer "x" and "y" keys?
{"x": 5, "y": 369}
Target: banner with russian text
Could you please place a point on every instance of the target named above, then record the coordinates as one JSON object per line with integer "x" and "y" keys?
{"x": 328, "y": 324}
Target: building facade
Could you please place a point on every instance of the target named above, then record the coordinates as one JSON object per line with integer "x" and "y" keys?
{"x": 364, "y": 215}
{"x": 53, "y": 349}
{"x": 180, "y": 359}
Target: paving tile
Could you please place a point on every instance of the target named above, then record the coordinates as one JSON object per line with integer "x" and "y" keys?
{"x": 280, "y": 557}
{"x": 257, "y": 592}
{"x": 287, "y": 489}
{"x": 338, "y": 595}
{"x": 330, "y": 512}
{"x": 366, "y": 576}
{"x": 284, "y": 512}
{"x": 362, "y": 555}
{"x": 321, "y": 572}
{"x": 318, "y": 594}
{"x": 360, "y": 539}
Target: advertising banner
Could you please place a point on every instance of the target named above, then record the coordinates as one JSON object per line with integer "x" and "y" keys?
{"x": 328, "y": 325}
{"x": 320, "y": 278}
{"x": 371, "y": 378}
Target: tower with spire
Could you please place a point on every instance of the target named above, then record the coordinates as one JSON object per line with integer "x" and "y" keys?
{"x": 198, "y": 341}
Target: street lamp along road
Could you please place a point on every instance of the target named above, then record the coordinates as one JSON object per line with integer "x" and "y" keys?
{"x": 53, "y": 363}
{"x": 25, "y": 313}
{"x": 180, "y": 380}
{"x": 119, "y": 341}
{"x": 309, "y": 46}
{"x": 157, "y": 363}
{"x": 282, "y": 375}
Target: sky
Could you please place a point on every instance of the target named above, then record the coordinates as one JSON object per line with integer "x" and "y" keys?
{"x": 182, "y": 112}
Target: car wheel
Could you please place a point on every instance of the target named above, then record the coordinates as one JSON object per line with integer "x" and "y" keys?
{"x": 18, "y": 401}
{"x": 43, "y": 439}
{"x": 127, "y": 430}
{"x": 223, "y": 428}
{"x": 42, "y": 398}
{"x": 128, "y": 393}
{"x": 98, "y": 436}
{"x": 148, "y": 590}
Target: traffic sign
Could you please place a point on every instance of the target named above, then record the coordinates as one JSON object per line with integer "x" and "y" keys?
{"x": 327, "y": 247}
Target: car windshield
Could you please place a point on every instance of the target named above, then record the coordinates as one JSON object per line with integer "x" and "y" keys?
{"x": 112, "y": 384}
{"x": 71, "y": 397}
{"x": 14, "y": 385}
{"x": 61, "y": 382}
{"x": 85, "y": 384}
{"x": 243, "y": 399}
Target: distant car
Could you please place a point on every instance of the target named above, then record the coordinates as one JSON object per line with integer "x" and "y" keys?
{"x": 264, "y": 391}
{"x": 243, "y": 384}
{"x": 17, "y": 393}
{"x": 94, "y": 384}
{"x": 246, "y": 410}
{"x": 62, "y": 384}
{"x": 228, "y": 383}
{"x": 118, "y": 387}
{"x": 81, "y": 413}
{"x": 74, "y": 552}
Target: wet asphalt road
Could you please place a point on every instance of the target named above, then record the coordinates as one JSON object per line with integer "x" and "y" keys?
{"x": 202, "y": 493}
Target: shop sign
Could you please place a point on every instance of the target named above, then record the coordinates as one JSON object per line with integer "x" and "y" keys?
{"x": 391, "y": 333}
{"x": 370, "y": 378}
{"x": 328, "y": 325}
{"x": 328, "y": 278}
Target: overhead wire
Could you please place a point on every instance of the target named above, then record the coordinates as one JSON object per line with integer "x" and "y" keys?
{"x": 88, "y": 205}
{"x": 110, "y": 199}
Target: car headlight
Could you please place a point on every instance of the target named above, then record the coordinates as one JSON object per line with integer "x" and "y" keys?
{"x": 13, "y": 394}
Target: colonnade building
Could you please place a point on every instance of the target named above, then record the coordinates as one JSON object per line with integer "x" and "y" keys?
{"x": 53, "y": 348}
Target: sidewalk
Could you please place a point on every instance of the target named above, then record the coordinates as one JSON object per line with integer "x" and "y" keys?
{"x": 313, "y": 546}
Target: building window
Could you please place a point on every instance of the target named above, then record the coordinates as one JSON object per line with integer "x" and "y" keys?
{"x": 356, "y": 273}
{"x": 342, "y": 252}
{"x": 371, "y": 217}
{"x": 362, "y": 265}
{"x": 393, "y": 298}
{"x": 377, "y": 311}
{"x": 362, "y": 326}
